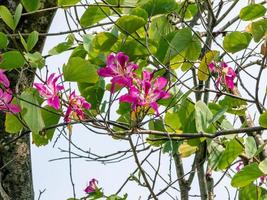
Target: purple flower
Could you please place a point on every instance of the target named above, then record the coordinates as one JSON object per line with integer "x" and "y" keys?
{"x": 212, "y": 67}
{"x": 229, "y": 76}
{"x": 225, "y": 75}
{"x": 120, "y": 69}
{"x": 5, "y": 102}
{"x": 3, "y": 78}
{"x": 75, "y": 107}
{"x": 147, "y": 92}
{"x": 262, "y": 179}
{"x": 92, "y": 187}
{"x": 50, "y": 91}
{"x": 239, "y": 166}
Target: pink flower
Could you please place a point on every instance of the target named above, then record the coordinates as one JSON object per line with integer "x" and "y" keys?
{"x": 5, "y": 102}
{"x": 262, "y": 179}
{"x": 75, "y": 107}
{"x": 212, "y": 67}
{"x": 146, "y": 92}
{"x": 50, "y": 91}
{"x": 3, "y": 78}
{"x": 229, "y": 76}
{"x": 92, "y": 187}
{"x": 239, "y": 166}
{"x": 120, "y": 69}
{"x": 225, "y": 75}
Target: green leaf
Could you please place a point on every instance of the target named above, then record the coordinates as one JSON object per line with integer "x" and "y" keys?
{"x": 263, "y": 166}
{"x": 203, "y": 116}
{"x": 263, "y": 119}
{"x": 246, "y": 175}
{"x": 231, "y": 152}
{"x": 87, "y": 42}
{"x": 259, "y": 29}
{"x": 160, "y": 27}
{"x": 3, "y": 41}
{"x": 61, "y": 47}
{"x": 104, "y": 41}
{"x": 172, "y": 121}
{"x": 32, "y": 40}
{"x": 67, "y": 2}
{"x": 252, "y": 11}
{"x": 35, "y": 59}
{"x": 115, "y": 197}
{"x": 12, "y": 60}
{"x": 186, "y": 11}
{"x": 31, "y": 112}
{"x": 235, "y": 106}
{"x": 31, "y": 5}
{"x": 180, "y": 42}
{"x": 80, "y": 70}
{"x": 17, "y": 15}
{"x": 7, "y": 17}
{"x": 203, "y": 69}
{"x": 79, "y": 51}
{"x": 249, "y": 192}
{"x": 218, "y": 115}
{"x": 134, "y": 49}
{"x": 250, "y": 147}
{"x": 94, "y": 14}
{"x": 50, "y": 118}
{"x": 215, "y": 153}
{"x": 154, "y": 7}
{"x": 171, "y": 146}
{"x": 23, "y": 42}
{"x": 130, "y": 23}
{"x": 183, "y": 42}
{"x": 139, "y": 12}
{"x": 124, "y": 108}
{"x": 236, "y": 41}
{"x": 12, "y": 123}
{"x": 157, "y": 125}
{"x": 64, "y": 46}
{"x": 93, "y": 93}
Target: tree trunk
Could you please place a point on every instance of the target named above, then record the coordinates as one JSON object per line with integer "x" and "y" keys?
{"x": 15, "y": 158}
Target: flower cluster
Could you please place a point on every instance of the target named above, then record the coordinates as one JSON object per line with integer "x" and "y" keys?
{"x": 6, "y": 95}
{"x": 143, "y": 92}
{"x": 92, "y": 187}
{"x": 225, "y": 75}
{"x": 50, "y": 90}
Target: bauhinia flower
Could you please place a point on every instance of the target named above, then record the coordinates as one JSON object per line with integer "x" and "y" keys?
{"x": 225, "y": 75}
{"x": 75, "y": 108}
{"x": 92, "y": 187}
{"x": 147, "y": 92}
{"x": 120, "y": 69}
{"x": 3, "y": 79}
{"x": 50, "y": 91}
{"x": 5, "y": 102}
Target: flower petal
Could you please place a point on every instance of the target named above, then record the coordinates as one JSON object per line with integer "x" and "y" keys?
{"x": 154, "y": 105}
{"x": 13, "y": 108}
{"x": 3, "y": 79}
{"x": 54, "y": 102}
{"x": 160, "y": 83}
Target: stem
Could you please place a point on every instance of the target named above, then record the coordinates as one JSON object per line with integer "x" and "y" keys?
{"x": 200, "y": 158}
{"x": 141, "y": 169}
{"x": 183, "y": 184}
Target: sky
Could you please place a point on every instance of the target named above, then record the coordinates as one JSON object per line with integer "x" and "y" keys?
{"x": 53, "y": 176}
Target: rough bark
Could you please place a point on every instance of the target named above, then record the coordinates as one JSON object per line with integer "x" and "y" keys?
{"x": 15, "y": 159}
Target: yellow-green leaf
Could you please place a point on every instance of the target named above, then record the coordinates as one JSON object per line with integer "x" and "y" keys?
{"x": 203, "y": 69}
